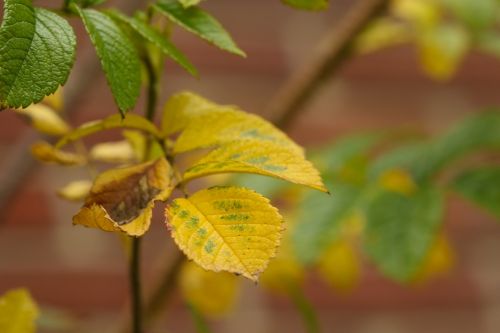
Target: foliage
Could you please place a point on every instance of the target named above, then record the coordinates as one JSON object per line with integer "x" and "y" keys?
{"x": 18, "y": 312}
{"x": 443, "y": 31}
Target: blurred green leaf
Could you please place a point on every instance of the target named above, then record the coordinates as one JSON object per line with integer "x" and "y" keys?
{"x": 200, "y": 23}
{"x": 268, "y": 187}
{"x": 481, "y": 186}
{"x": 189, "y": 3}
{"x": 321, "y": 218}
{"x": 307, "y": 4}
{"x": 401, "y": 229}
{"x": 476, "y": 14}
{"x": 18, "y": 312}
{"x": 479, "y": 131}
{"x": 402, "y": 157}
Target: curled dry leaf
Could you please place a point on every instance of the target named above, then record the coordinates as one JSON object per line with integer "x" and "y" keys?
{"x": 227, "y": 228}
{"x": 122, "y": 199}
{"x": 45, "y": 152}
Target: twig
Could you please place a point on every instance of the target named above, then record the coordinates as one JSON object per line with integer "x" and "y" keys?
{"x": 330, "y": 54}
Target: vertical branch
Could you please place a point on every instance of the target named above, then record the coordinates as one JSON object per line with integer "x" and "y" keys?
{"x": 135, "y": 285}
{"x": 330, "y": 54}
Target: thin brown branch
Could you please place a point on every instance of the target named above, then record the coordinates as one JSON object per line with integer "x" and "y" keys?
{"x": 328, "y": 57}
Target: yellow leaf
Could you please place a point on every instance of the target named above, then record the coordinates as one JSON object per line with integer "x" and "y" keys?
{"x": 140, "y": 145}
{"x": 340, "y": 267}
{"x": 442, "y": 50}
{"x": 398, "y": 180}
{"x": 382, "y": 33}
{"x": 18, "y": 312}
{"x": 122, "y": 199}
{"x": 264, "y": 158}
{"x": 223, "y": 125}
{"x": 113, "y": 152}
{"x": 226, "y": 228}
{"x": 284, "y": 273}
{"x": 131, "y": 121}
{"x": 423, "y": 14}
{"x": 45, "y": 152}
{"x": 211, "y": 293}
{"x": 439, "y": 260}
{"x": 180, "y": 109}
{"x": 76, "y": 190}
{"x": 56, "y": 100}
{"x": 45, "y": 120}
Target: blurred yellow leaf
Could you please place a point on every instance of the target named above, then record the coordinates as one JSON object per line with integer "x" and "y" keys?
{"x": 398, "y": 180}
{"x": 423, "y": 14}
{"x": 45, "y": 120}
{"x": 340, "y": 266}
{"x": 56, "y": 100}
{"x": 213, "y": 294}
{"x": 264, "y": 158}
{"x": 180, "y": 109}
{"x": 131, "y": 121}
{"x": 76, "y": 190}
{"x": 442, "y": 50}
{"x": 45, "y": 152}
{"x": 228, "y": 125}
{"x": 439, "y": 260}
{"x": 382, "y": 33}
{"x": 113, "y": 152}
{"x": 122, "y": 199}
{"x": 18, "y": 312}
{"x": 226, "y": 228}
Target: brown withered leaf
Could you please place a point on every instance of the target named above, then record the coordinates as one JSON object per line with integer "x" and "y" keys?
{"x": 122, "y": 199}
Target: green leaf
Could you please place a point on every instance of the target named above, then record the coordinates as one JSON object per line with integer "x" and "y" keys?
{"x": 89, "y": 3}
{"x": 189, "y": 3}
{"x": 307, "y": 4}
{"x": 37, "y": 51}
{"x": 321, "y": 218}
{"x": 118, "y": 57}
{"x": 401, "y": 229}
{"x": 481, "y": 131}
{"x": 158, "y": 39}
{"x": 200, "y": 23}
{"x": 481, "y": 186}
{"x": 18, "y": 312}
{"x": 131, "y": 121}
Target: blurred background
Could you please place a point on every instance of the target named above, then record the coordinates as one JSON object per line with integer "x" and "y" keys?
{"x": 80, "y": 274}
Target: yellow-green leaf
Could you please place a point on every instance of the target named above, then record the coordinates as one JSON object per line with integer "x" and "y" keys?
{"x": 45, "y": 120}
{"x": 122, "y": 199}
{"x": 143, "y": 148}
{"x": 382, "y": 33}
{"x": 227, "y": 125}
{"x": 442, "y": 50}
{"x": 265, "y": 158}
{"x": 213, "y": 294}
{"x": 181, "y": 108}
{"x": 18, "y": 312}
{"x": 131, "y": 121}
{"x": 45, "y": 152}
{"x": 76, "y": 190}
{"x": 439, "y": 261}
{"x": 340, "y": 266}
{"x": 226, "y": 228}
{"x": 113, "y": 152}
